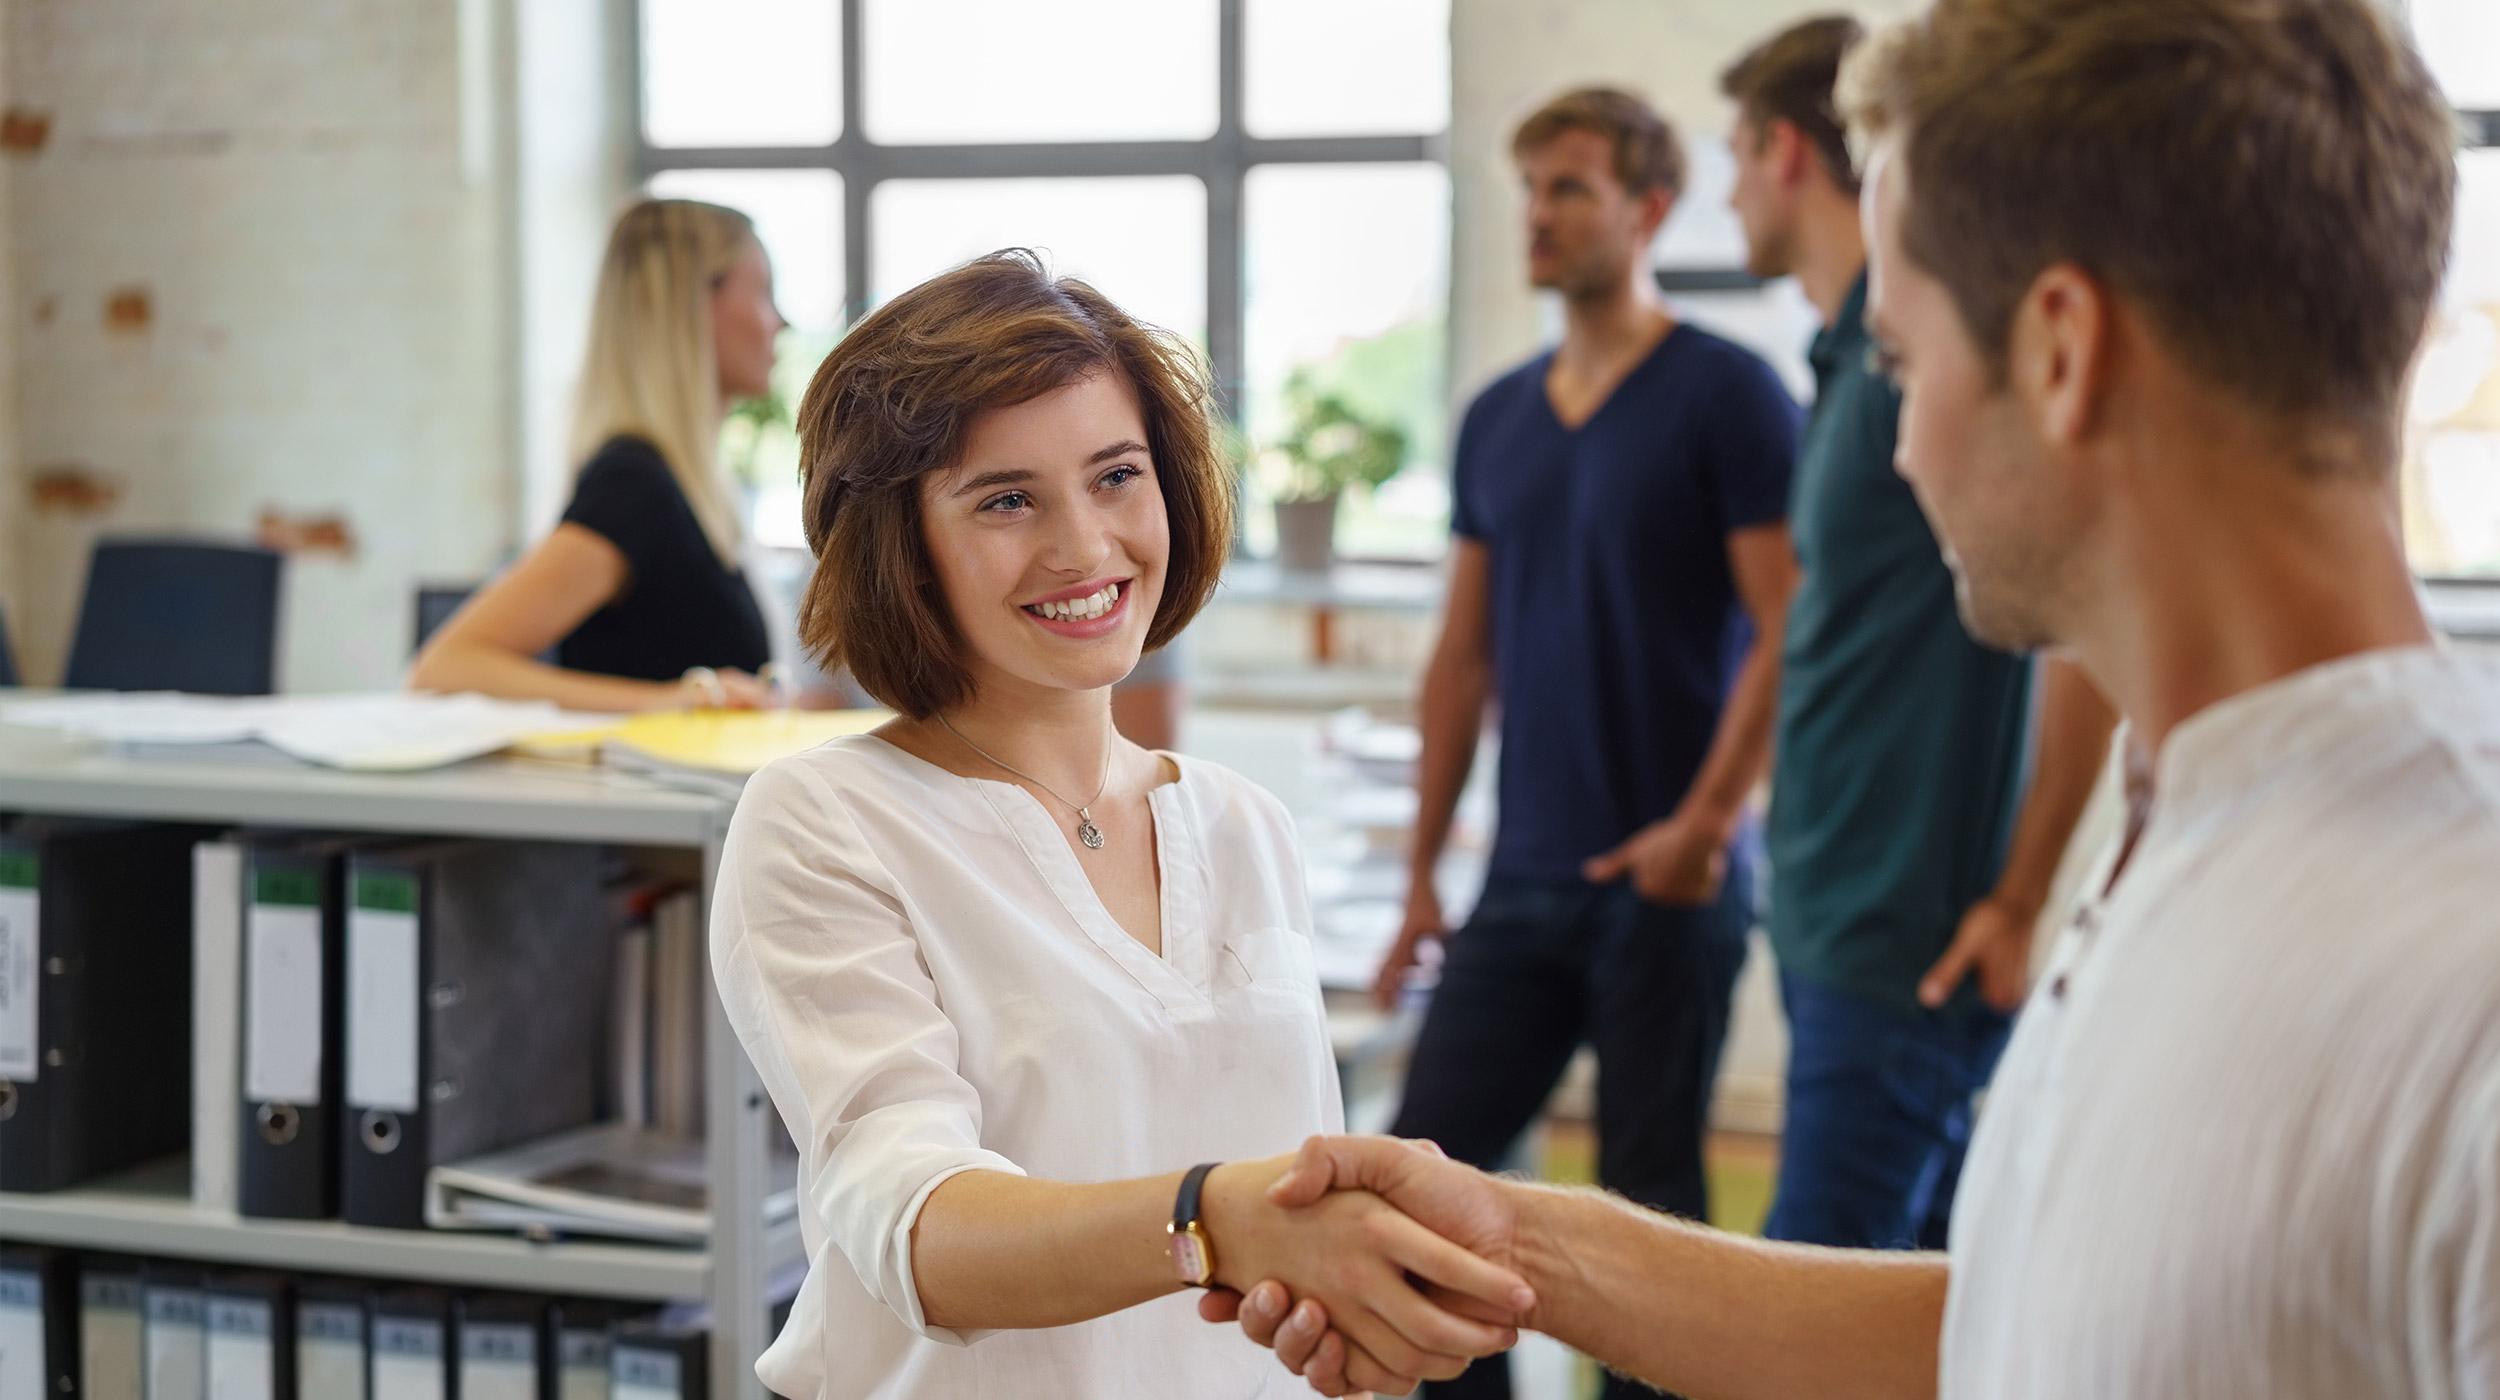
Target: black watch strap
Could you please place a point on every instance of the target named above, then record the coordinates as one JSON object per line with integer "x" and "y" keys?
{"x": 1185, "y": 1205}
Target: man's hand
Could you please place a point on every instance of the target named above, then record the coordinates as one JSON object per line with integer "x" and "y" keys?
{"x": 1679, "y": 860}
{"x": 1994, "y": 942}
{"x": 1423, "y": 922}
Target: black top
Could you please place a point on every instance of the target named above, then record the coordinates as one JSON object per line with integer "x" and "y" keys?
{"x": 681, "y": 607}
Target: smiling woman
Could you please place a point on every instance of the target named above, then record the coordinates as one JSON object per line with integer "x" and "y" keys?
{"x": 1004, "y": 973}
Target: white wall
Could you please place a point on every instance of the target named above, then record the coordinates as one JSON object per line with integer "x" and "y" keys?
{"x": 322, "y": 202}
{"x": 574, "y": 167}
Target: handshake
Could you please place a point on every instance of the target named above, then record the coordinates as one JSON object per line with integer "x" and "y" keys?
{"x": 1368, "y": 1263}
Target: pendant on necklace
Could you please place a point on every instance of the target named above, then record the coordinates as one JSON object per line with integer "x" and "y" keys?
{"x": 1088, "y": 833}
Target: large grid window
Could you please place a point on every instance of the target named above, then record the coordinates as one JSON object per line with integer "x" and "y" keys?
{"x": 1265, "y": 177}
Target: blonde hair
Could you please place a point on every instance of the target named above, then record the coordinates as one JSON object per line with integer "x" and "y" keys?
{"x": 651, "y": 371}
{"x": 2271, "y": 181}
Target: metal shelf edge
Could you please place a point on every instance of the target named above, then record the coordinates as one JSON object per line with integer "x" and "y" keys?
{"x": 174, "y": 1228}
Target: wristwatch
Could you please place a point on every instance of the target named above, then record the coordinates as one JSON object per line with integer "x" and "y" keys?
{"x": 1193, "y": 1254}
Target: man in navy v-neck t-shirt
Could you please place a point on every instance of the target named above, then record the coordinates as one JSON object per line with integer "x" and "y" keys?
{"x": 1616, "y": 624}
{"x": 1619, "y": 577}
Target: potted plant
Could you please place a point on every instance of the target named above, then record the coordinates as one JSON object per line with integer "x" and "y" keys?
{"x": 1328, "y": 447}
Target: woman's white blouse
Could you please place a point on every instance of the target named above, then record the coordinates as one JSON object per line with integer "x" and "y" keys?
{"x": 928, "y": 985}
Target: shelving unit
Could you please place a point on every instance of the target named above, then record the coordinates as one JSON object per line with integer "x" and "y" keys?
{"x": 151, "y": 1212}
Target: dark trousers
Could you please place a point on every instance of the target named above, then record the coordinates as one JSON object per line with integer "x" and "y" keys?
{"x": 1542, "y": 967}
{"x": 1878, "y": 1117}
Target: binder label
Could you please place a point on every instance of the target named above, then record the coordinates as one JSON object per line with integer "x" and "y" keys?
{"x": 407, "y": 1336}
{"x": 330, "y": 1322}
{"x": 21, "y": 1335}
{"x": 21, "y": 1289}
{"x": 238, "y": 1317}
{"x": 583, "y": 1349}
{"x": 112, "y": 1340}
{"x": 282, "y": 999}
{"x": 498, "y": 1342}
{"x": 20, "y": 956}
{"x": 646, "y": 1375}
{"x": 176, "y": 1307}
{"x": 110, "y": 1292}
{"x": 177, "y": 1347}
{"x": 383, "y": 993}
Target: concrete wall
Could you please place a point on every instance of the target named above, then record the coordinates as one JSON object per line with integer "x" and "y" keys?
{"x": 12, "y": 473}
{"x": 269, "y": 260}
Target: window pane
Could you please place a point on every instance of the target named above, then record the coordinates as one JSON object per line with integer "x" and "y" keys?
{"x": 1361, "y": 318}
{"x": 798, "y": 218}
{"x": 1327, "y": 68}
{"x": 1142, "y": 241}
{"x": 2461, "y": 41}
{"x": 1701, "y": 231}
{"x": 1011, "y": 70}
{"x": 741, "y": 72}
{"x": 2452, "y": 462}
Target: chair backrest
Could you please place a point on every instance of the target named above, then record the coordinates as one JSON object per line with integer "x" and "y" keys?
{"x": 436, "y": 602}
{"x": 8, "y": 655}
{"x": 178, "y": 615}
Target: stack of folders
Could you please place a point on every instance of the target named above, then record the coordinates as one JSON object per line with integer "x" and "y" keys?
{"x": 104, "y": 1327}
{"x": 369, "y": 1010}
{"x": 95, "y": 1011}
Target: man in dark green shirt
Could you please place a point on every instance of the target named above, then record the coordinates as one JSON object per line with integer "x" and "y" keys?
{"x": 1908, "y": 866}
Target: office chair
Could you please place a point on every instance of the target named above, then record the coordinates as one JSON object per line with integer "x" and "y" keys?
{"x": 436, "y": 602}
{"x": 177, "y": 615}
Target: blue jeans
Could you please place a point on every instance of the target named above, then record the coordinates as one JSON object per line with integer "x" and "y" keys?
{"x": 1878, "y": 1117}
{"x": 1540, "y": 968}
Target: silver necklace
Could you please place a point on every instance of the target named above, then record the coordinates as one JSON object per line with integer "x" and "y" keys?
{"x": 1086, "y": 831}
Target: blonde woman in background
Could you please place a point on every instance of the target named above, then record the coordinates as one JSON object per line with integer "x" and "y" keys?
{"x": 639, "y": 589}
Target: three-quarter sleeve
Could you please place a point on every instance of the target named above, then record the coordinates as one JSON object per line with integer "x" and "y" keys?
{"x": 825, "y": 984}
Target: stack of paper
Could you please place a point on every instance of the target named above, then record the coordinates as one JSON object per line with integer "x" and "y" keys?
{"x": 604, "y": 1180}
{"x": 391, "y": 731}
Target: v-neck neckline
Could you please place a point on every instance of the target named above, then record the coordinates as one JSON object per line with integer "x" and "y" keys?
{"x": 1545, "y": 392}
{"x": 1178, "y": 974}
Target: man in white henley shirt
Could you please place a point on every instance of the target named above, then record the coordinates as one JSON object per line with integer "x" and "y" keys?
{"x": 2150, "y": 274}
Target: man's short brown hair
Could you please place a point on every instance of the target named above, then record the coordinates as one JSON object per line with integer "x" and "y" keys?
{"x": 2270, "y": 182}
{"x": 1790, "y": 77}
{"x": 1647, "y": 154}
{"x": 894, "y": 402}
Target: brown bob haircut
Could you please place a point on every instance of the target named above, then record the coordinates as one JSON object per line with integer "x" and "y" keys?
{"x": 1790, "y": 77}
{"x": 2270, "y": 182}
{"x": 1647, "y": 154}
{"x": 893, "y": 403}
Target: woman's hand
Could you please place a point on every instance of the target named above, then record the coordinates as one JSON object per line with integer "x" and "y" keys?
{"x": 1455, "y": 1202}
{"x": 704, "y": 688}
{"x": 1370, "y": 1267}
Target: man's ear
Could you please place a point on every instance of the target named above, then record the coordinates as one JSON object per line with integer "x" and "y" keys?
{"x": 1789, "y": 150}
{"x": 2057, "y": 354}
{"x": 1656, "y": 206}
